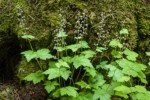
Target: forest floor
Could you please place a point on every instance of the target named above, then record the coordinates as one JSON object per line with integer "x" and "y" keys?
{"x": 9, "y": 91}
{"x": 12, "y": 90}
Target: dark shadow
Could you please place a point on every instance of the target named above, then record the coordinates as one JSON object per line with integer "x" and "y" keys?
{"x": 9, "y": 55}
{"x": 147, "y": 1}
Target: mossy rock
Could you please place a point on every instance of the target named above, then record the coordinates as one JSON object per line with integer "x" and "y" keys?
{"x": 25, "y": 68}
{"x": 41, "y": 19}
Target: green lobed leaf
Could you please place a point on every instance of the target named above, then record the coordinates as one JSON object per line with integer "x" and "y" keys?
{"x": 52, "y": 64}
{"x": 140, "y": 93}
{"x": 105, "y": 92}
{"x": 69, "y": 90}
{"x": 56, "y": 93}
{"x": 62, "y": 63}
{"x": 86, "y": 62}
{"x": 64, "y": 73}
{"x": 83, "y": 44}
{"x": 130, "y": 72}
{"x": 57, "y": 72}
{"x": 132, "y": 68}
{"x": 131, "y": 55}
{"x": 67, "y": 59}
{"x": 102, "y": 65}
{"x": 139, "y": 88}
{"x": 81, "y": 61}
{"x": 98, "y": 77}
{"x": 115, "y": 74}
{"x": 50, "y": 86}
{"x": 148, "y": 53}
{"x": 120, "y": 94}
{"x": 133, "y": 90}
{"x": 110, "y": 67}
{"x": 97, "y": 81}
{"x": 105, "y": 96}
{"x": 142, "y": 77}
{"x": 115, "y": 43}
{"x": 116, "y": 54}
{"x": 35, "y": 77}
{"x": 61, "y": 49}
{"x": 139, "y": 96}
{"x": 29, "y": 55}
{"x": 43, "y": 54}
{"x": 88, "y": 53}
{"x": 52, "y": 73}
{"x": 143, "y": 80}
{"x": 101, "y": 94}
{"x": 100, "y": 49}
{"x": 124, "y": 63}
{"x": 73, "y": 47}
{"x": 77, "y": 61}
{"x": 97, "y": 84}
{"x": 141, "y": 67}
{"x": 28, "y": 37}
{"x": 91, "y": 71}
{"x": 123, "y": 89}
{"x": 84, "y": 96}
{"x": 124, "y": 79}
{"x": 113, "y": 85}
{"x": 142, "y": 74}
{"x": 83, "y": 84}
{"x": 124, "y": 31}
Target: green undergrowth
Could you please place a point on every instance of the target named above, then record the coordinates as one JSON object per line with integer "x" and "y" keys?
{"x": 79, "y": 72}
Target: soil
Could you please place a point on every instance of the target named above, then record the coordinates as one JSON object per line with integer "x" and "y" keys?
{"x": 13, "y": 90}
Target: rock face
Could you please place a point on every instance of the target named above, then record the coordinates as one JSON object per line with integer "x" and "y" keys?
{"x": 98, "y": 21}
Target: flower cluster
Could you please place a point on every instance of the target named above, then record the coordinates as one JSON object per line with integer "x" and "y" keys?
{"x": 103, "y": 36}
{"x": 60, "y": 41}
{"x": 81, "y": 25}
{"x": 21, "y": 19}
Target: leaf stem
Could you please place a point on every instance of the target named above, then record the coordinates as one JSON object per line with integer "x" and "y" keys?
{"x": 78, "y": 74}
{"x": 59, "y": 79}
{"x": 83, "y": 75}
{"x": 35, "y": 58}
{"x": 71, "y": 79}
{"x": 30, "y": 45}
{"x": 130, "y": 82}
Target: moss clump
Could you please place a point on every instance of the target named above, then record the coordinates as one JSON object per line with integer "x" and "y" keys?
{"x": 144, "y": 22}
{"x": 25, "y": 68}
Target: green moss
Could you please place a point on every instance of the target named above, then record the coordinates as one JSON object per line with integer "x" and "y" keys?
{"x": 25, "y": 68}
{"x": 81, "y": 5}
{"x": 144, "y": 24}
{"x": 144, "y": 45}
